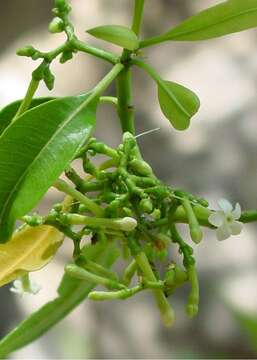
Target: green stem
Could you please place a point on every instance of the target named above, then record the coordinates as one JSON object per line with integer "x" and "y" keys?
{"x": 102, "y": 85}
{"x": 162, "y": 302}
{"x": 125, "y": 106}
{"x": 96, "y": 268}
{"x": 129, "y": 272}
{"x": 90, "y": 204}
{"x": 124, "y": 80}
{"x": 114, "y": 295}
{"x": 248, "y": 216}
{"x": 152, "y": 41}
{"x": 123, "y": 224}
{"x": 82, "y": 274}
{"x": 99, "y": 53}
{"x": 138, "y": 16}
{"x": 27, "y": 99}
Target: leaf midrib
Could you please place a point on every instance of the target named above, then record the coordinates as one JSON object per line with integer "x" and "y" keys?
{"x": 73, "y": 114}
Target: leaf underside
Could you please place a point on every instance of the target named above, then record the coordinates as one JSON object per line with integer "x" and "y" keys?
{"x": 29, "y": 249}
{"x": 34, "y": 151}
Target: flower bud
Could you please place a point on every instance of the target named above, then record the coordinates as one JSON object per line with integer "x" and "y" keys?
{"x": 146, "y": 205}
{"x": 127, "y": 223}
{"x": 156, "y": 214}
{"x": 26, "y": 51}
{"x": 141, "y": 167}
{"x": 49, "y": 78}
{"x": 56, "y": 25}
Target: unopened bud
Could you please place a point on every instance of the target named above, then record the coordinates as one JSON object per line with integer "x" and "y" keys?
{"x": 49, "y": 78}
{"x": 56, "y": 25}
{"x": 127, "y": 223}
{"x": 146, "y": 205}
{"x": 26, "y": 51}
{"x": 141, "y": 167}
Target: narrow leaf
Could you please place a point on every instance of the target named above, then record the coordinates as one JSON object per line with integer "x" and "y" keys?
{"x": 28, "y": 250}
{"x": 177, "y": 103}
{"x": 116, "y": 34}
{"x": 35, "y": 150}
{"x": 74, "y": 291}
{"x": 225, "y": 18}
{"x": 8, "y": 112}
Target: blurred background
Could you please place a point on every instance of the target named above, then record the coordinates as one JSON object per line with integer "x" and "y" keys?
{"x": 215, "y": 158}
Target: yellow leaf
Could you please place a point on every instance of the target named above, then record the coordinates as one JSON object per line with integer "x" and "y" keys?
{"x": 28, "y": 250}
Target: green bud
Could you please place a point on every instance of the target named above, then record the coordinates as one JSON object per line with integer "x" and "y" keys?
{"x": 129, "y": 142}
{"x": 66, "y": 56}
{"x": 127, "y": 211}
{"x": 49, "y": 78}
{"x": 56, "y": 25}
{"x": 156, "y": 214}
{"x": 34, "y": 220}
{"x": 180, "y": 276}
{"x": 146, "y": 205}
{"x": 169, "y": 276}
{"x": 141, "y": 167}
{"x": 58, "y": 207}
{"x": 192, "y": 310}
{"x": 26, "y": 51}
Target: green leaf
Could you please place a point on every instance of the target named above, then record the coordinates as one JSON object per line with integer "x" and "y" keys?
{"x": 73, "y": 292}
{"x": 35, "y": 150}
{"x": 116, "y": 34}
{"x": 9, "y": 111}
{"x": 225, "y": 18}
{"x": 177, "y": 103}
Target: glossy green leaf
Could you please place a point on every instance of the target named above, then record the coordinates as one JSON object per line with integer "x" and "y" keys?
{"x": 35, "y": 150}
{"x": 116, "y": 34}
{"x": 8, "y": 112}
{"x": 73, "y": 292}
{"x": 177, "y": 103}
{"x": 225, "y": 18}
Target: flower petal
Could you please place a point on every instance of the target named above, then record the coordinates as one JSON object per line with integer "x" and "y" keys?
{"x": 223, "y": 232}
{"x": 225, "y": 206}
{"x": 217, "y": 218}
{"x": 236, "y": 227}
{"x": 237, "y": 212}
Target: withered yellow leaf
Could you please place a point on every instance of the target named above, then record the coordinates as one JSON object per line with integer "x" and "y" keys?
{"x": 28, "y": 250}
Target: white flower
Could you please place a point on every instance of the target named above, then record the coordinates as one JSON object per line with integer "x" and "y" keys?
{"x": 24, "y": 286}
{"x": 225, "y": 220}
